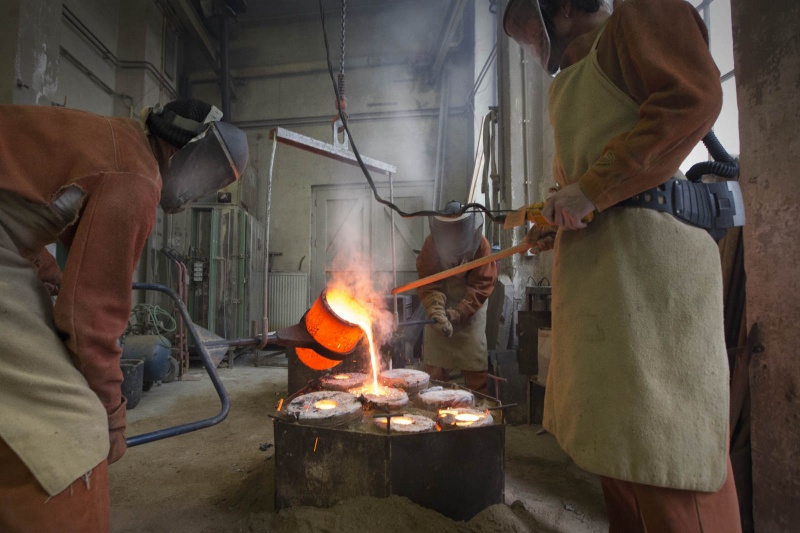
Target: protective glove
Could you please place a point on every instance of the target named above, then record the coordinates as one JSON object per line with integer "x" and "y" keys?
{"x": 434, "y": 309}
{"x": 453, "y": 316}
{"x": 48, "y": 271}
{"x": 541, "y": 238}
{"x": 568, "y": 207}
{"x": 442, "y": 325}
{"x": 116, "y": 432}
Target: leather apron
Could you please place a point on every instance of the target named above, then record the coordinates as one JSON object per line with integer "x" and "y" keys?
{"x": 466, "y": 349}
{"x": 638, "y": 382}
{"x": 48, "y": 414}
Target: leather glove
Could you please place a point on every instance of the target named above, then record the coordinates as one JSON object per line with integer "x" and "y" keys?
{"x": 434, "y": 309}
{"x": 541, "y": 238}
{"x": 442, "y": 324}
{"x": 116, "y": 432}
{"x": 453, "y": 316}
{"x": 48, "y": 271}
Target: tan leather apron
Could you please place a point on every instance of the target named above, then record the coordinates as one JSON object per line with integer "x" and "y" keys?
{"x": 466, "y": 349}
{"x": 638, "y": 382}
{"x": 48, "y": 414}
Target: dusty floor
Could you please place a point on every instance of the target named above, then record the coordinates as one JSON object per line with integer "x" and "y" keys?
{"x": 221, "y": 478}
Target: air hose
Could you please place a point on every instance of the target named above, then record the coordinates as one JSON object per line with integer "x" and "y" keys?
{"x": 723, "y": 165}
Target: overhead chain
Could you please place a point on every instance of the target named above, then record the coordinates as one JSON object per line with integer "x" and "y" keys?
{"x": 341, "y": 57}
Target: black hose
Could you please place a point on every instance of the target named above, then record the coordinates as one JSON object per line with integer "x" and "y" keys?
{"x": 723, "y": 165}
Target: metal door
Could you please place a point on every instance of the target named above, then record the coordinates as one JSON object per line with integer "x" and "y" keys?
{"x": 348, "y": 221}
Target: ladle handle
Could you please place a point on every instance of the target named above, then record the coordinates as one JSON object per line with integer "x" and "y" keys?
{"x": 415, "y": 323}
{"x": 521, "y": 247}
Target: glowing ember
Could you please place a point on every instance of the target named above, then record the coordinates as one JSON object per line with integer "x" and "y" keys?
{"x": 386, "y": 398}
{"x": 325, "y": 404}
{"x": 407, "y": 423}
{"x": 370, "y": 389}
{"x": 341, "y": 376}
{"x": 324, "y": 408}
{"x": 348, "y": 308}
{"x": 464, "y": 417}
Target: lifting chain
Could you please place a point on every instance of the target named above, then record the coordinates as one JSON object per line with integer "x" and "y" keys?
{"x": 341, "y": 57}
{"x": 340, "y": 140}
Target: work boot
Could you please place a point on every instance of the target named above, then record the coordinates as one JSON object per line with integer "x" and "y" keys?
{"x": 437, "y": 373}
{"x": 476, "y": 381}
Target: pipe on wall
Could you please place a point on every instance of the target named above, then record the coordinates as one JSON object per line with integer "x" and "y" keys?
{"x": 224, "y": 66}
{"x": 353, "y": 117}
{"x": 109, "y": 56}
{"x": 441, "y": 139}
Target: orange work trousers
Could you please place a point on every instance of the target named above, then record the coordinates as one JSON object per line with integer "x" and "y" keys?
{"x": 83, "y": 507}
{"x": 637, "y": 508}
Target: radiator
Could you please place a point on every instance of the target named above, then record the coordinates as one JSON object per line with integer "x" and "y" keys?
{"x": 288, "y": 298}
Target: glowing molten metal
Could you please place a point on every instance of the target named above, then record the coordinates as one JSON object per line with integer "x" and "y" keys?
{"x": 348, "y": 308}
{"x": 326, "y": 404}
{"x": 464, "y": 417}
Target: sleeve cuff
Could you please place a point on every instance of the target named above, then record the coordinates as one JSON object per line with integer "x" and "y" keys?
{"x": 596, "y": 189}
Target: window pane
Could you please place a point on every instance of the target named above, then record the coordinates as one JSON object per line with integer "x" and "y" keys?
{"x": 721, "y": 45}
{"x": 721, "y": 35}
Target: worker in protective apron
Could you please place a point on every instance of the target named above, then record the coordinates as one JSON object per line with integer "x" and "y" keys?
{"x": 457, "y": 340}
{"x": 637, "y": 389}
{"x": 93, "y": 183}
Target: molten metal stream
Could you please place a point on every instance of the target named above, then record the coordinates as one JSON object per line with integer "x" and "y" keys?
{"x": 347, "y": 308}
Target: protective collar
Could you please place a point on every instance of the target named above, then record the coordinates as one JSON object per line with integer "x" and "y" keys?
{"x": 523, "y": 22}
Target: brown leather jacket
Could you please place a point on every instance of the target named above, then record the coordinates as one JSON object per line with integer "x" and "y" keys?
{"x": 43, "y": 150}
{"x": 677, "y": 88}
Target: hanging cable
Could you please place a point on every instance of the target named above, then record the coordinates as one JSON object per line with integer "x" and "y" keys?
{"x": 463, "y": 208}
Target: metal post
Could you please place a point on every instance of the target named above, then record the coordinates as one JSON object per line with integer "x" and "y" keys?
{"x": 394, "y": 260}
{"x": 224, "y": 67}
{"x": 265, "y": 327}
{"x": 213, "y": 270}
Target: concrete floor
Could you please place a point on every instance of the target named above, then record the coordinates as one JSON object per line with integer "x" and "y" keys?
{"x": 221, "y": 478}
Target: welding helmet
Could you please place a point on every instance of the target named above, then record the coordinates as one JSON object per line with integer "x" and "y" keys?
{"x": 211, "y": 154}
{"x": 456, "y": 239}
{"x": 524, "y": 22}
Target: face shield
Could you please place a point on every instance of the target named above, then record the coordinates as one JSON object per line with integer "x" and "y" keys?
{"x": 523, "y": 22}
{"x": 456, "y": 239}
{"x": 210, "y": 161}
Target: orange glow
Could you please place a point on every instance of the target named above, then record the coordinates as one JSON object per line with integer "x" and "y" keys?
{"x": 333, "y": 331}
{"x": 313, "y": 360}
{"x": 462, "y": 419}
{"x": 348, "y": 308}
{"x": 341, "y": 376}
{"x": 402, "y": 421}
{"x": 325, "y": 404}
{"x": 468, "y": 418}
{"x": 370, "y": 389}
{"x": 315, "y": 443}
{"x": 280, "y": 404}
